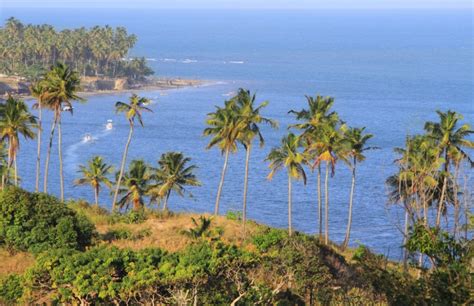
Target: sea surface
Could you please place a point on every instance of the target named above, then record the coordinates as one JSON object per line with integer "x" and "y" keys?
{"x": 388, "y": 71}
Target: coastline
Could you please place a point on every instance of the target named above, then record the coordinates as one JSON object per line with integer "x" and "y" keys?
{"x": 103, "y": 86}
{"x": 161, "y": 84}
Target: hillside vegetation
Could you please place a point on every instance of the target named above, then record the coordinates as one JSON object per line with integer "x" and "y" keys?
{"x": 181, "y": 259}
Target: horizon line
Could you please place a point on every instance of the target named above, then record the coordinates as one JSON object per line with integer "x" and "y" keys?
{"x": 241, "y": 8}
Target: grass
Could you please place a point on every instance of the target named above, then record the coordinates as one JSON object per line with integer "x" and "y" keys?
{"x": 14, "y": 263}
{"x": 164, "y": 230}
{"x": 167, "y": 233}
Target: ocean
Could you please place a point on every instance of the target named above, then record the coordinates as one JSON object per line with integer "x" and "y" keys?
{"x": 389, "y": 70}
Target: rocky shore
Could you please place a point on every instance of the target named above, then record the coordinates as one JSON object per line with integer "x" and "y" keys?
{"x": 101, "y": 85}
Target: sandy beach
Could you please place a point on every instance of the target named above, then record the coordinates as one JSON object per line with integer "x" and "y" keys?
{"x": 102, "y": 86}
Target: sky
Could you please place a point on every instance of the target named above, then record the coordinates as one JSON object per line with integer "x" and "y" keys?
{"x": 245, "y": 4}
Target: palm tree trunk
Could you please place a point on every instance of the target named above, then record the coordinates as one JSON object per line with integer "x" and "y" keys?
{"x": 165, "y": 204}
{"x": 405, "y": 240}
{"x": 16, "y": 170}
{"x": 246, "y": 177}
{"x": 351, "y": 200}
{"x": 290, "y": 227}
{"x": 48, "y": 156}
{"x": 38, "y": 149}
{"x": 60, "y": 155}
{"x": 96, "y": 196}
{"x": 122, "y": 167}
{"x": 326, "y": 205}
{"x": 456, "y": 201}
{"x": 441, "y": 202}
{"x": 9, "y": 161}
{"x": 221, "y": 183}
{"x": 425, "y": 208}
{"x": 320, "y": 206}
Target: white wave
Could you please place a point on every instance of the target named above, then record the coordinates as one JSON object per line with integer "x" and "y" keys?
{"x": 188, "y": 61}
{"x": 169, "y": 60}
{"x": 236, "y": 62}
{"x": 151, "y": 59}
{"x": 231, "y": 93}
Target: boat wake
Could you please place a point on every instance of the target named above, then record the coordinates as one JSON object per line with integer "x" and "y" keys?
{"x": 71, "y": 156}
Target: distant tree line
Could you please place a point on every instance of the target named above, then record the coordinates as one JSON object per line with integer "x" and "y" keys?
{"x": 27, "y": 50}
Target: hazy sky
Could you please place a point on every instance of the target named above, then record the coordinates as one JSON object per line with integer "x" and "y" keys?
{"x": 243, "y": 4}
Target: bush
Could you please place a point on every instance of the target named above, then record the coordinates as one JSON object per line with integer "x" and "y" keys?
{"x": 37, "y": 222}
{"x": 122, "y": 233}
{"x": 234, "y": 215}
{"x": 269, "y": 237}
{"x": 11, "y": 289}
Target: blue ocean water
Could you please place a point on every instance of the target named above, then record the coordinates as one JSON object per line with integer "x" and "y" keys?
{"x": 388, "y": 70}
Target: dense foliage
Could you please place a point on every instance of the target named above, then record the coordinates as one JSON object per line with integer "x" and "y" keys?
{"x": 27, "y": 50}
{"x": 270, "y": 267}
{"x": 37, "y": 222}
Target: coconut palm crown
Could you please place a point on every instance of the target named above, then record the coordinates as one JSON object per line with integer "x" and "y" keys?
{"x": 173, "y": 175}
{"x": 94, "y": 174}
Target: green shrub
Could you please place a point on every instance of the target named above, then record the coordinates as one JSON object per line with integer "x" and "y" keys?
{"x": 11, "y": 289}
{"x": 37, "y": 222}
{"x": 122, "y": 233}
{"x": 269, "y": 237}
{"x": 132, "y": 217}
{"x": 234, "y": 215}
{"x": 101, "y": 275}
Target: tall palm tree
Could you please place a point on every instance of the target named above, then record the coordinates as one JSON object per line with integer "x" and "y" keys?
{"x": 417, "y": 184}
{"x": 16, "y": 120}
{"x": 224, "y": 127}
{"x": 250, "y": 117}
{"x": 355, "y": 142}
{"x": 62, "y": 84}
{"x": 287, "y": 156}
{"x": 419, "y": 172}
{"x": 95, "y": 174}
{"x": 328, "y": 145}
{"x": 132, "y": 110}
{"x": 173, "y": 174}
{"x": 314, "y": 119}
{"x": 134, "y": 185}
{"x": 38, "y": 91}
{"x": 451, "y": 139}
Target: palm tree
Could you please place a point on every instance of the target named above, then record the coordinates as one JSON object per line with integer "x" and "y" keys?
{"x": 420, "y": 174}
{"x": 132, "y": 110}
{"x": 287, "y": 156}
{"x": 250, "y": 117}
{"x": 38, "y": 91}
{"x": 451, "y": 139}
{"x": 314, "y": 119}
{"x": 224, "y": 127}
{"x": 61, "y": 85}
{"x": 355, "y": 141}
{"x": 416, "y": 185}
{"x": 173, "y": 174}
{"x": 327, "y": 146}
{"x": 16, "y": 120}
{"x": 94, "y": 174}
{"x": 135, "y": 184}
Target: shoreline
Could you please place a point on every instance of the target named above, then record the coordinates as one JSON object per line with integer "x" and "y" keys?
{"x": 93, "y": 86}
{"x": 161, "y": 85}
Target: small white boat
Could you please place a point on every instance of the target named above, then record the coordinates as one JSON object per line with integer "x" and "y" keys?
{"x": 87, "y": 138}
{"x": 109, "y": 125}
{"x": 67, "y": 109}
